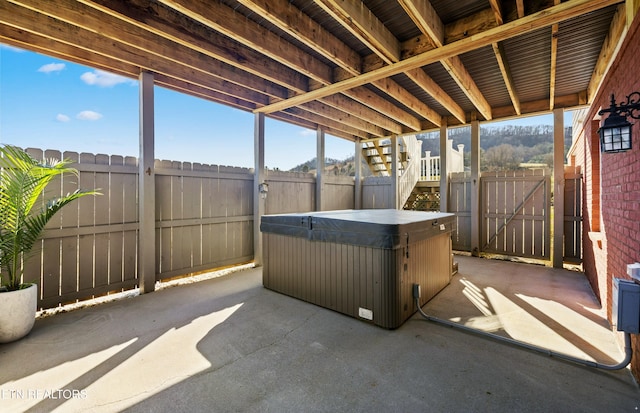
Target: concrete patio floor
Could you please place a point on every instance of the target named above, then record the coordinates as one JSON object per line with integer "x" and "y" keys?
{"x": 227, "y": 344}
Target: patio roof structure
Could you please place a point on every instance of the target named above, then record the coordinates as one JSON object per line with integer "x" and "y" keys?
{"x": 354, "y": 69}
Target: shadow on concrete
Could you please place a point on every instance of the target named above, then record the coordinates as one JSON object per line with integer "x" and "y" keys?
{"x": 230, "y": 345}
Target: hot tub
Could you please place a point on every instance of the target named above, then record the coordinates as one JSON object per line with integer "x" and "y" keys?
{"x": 362, "y": 263}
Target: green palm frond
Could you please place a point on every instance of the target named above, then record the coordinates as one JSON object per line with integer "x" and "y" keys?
{"x": 23, "y": 181}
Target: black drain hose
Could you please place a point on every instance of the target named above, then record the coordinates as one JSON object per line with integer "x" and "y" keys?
{"x": 627, "y": 340}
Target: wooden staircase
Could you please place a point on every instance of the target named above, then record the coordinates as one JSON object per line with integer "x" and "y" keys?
{"x": 378, "y": 155}
{"x": 418, "y": 182}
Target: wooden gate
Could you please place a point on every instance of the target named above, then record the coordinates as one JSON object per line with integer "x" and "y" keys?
{"x": 516, "y": 213}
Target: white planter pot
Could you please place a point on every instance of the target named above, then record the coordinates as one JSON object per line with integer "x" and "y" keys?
{"x": 17, "y": 313}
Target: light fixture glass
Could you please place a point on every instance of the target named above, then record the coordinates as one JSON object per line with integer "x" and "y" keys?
{"x": 615, "y": 134}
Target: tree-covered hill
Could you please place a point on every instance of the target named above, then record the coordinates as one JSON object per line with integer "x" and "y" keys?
{"x": 506, "y": 147}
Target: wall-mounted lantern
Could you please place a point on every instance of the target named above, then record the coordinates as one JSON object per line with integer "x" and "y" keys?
{"x": 263, "y": 188}
{"x": 615, "y": 133}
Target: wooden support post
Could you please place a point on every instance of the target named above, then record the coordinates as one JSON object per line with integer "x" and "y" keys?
{"x": 394, "y": 172}
{"x": 147, "y": 185}
{"x": 557, "y": 253}
{"x": 259, "y": 194}
{"x": 357, "y": 184}
{"x": 476, "y": 218}
{"x": 444, "y": 168}
{"x": 319, "y": 168}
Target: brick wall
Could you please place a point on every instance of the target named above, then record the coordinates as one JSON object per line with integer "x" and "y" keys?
{"x": 612, "y": 202}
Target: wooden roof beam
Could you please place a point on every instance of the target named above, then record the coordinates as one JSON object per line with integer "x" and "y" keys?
{"x": 293, "y": 21}
{"x": 520, "y": 8}
{"x": 554, "y": 58}
{"x": 501, "y": 58}
{"x": 297, "y": 24}
{"x": 363, "y": 24}
{"x": 527, "y": 24}
{"x": 497, "y": 11}
{"x": 611, "y": 43}
{"x": 429, "y": 23}
{"x": 95, "y": 25}
{"x": 222, "y": 19}
{"x": 553, "y": 66}
{"x": 369, "y": 98}
{"x": 96, "y": 44}
{"x": 370, "y": 114}
{"x": 164, "y": 22}
{"x": 26, "y": 40}
{"x": 503, "y": 64}
{"x": 420, "y": 78}
{"x": 325, "y": 122}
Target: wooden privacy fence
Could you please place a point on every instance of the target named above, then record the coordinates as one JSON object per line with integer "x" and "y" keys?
{"x": 572, "y": 214}
{"x": 460, "y": 205}
{"x": 89, "y": 248}
{"x": 204, "y": 220}
{"x": 204, "y": 217}
{"x": 515, "y": 213}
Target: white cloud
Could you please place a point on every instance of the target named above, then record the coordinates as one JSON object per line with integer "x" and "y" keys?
{"x": 62, "y": 118}
{"x": 11, "y": 48}
{"x": 103, "y": 79}
{"x": 52, "y": 67}
{"x": 307, "y": 132}
{"x": 88, "y": 115}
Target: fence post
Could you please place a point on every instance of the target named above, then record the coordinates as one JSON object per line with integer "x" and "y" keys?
{"x": 259, "y": 203}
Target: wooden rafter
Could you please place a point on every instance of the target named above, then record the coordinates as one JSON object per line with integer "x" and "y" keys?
{"x": 207, "y": 74}
{"x": 501, "y": 57}
{"x": 292, "y": 65}
{"x": 520, "y": 8}
{"x": 554, "y": 58}
{"x": 177, "y": 28}
{"x": 608, "y": 51}
{"x": 503, "y": 64}
{"x": 526, "y": 24}
{"x": 86, "y": 25}
{"x": 363, "y": 24}
{"x": 427, "y": 20}
{"x": 552, "y": 70}
{"x": 220, "y": 18}
{"x": 297, "y": 24}
{"x": 423, "y": 80}
{"x": 497, "y": 10}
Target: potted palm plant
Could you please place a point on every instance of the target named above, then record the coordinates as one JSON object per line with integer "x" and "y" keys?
{"x": 23, "y": 217}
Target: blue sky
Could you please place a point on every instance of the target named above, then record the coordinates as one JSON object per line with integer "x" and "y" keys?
{"x": 49, "y": 103}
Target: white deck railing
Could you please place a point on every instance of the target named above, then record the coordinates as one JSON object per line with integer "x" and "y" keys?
{"x": 411, "y": 172}
{"x": 430, "y": 165}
